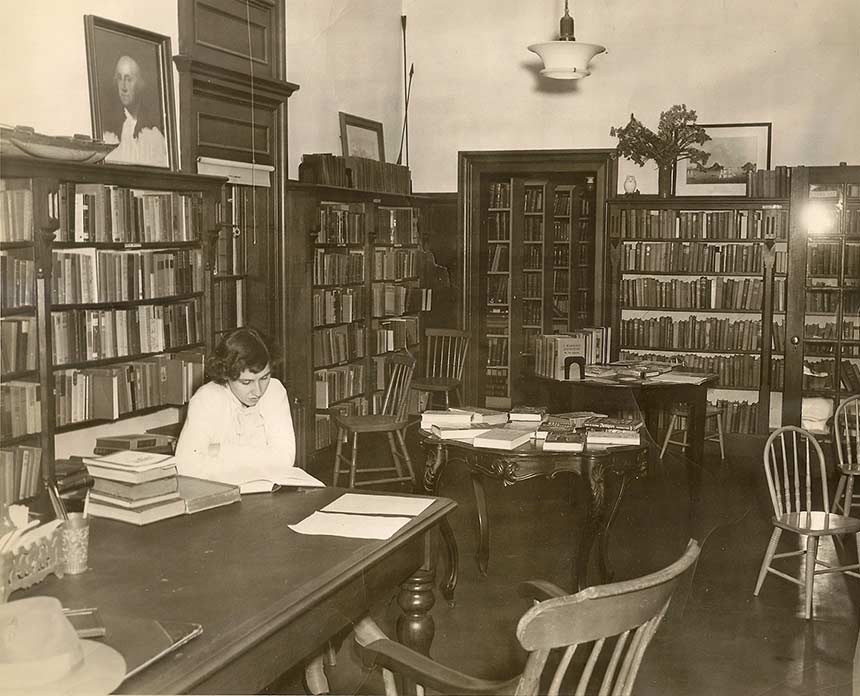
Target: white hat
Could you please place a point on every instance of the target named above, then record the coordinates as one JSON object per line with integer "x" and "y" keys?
{"x": 40, "y": 653}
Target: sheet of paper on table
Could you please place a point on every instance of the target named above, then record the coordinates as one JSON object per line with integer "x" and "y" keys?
{"x": 350, "y": 526}
{"x": 378, "y": 504}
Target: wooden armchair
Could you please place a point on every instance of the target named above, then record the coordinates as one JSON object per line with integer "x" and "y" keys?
{"x": 627, "y": 613}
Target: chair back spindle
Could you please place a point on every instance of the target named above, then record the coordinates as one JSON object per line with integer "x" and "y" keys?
{"x": 846, "y": 422}
{"x": 396, "y": 400}
{"x": 793, "y": 461}
{"x": 446, "y": 353}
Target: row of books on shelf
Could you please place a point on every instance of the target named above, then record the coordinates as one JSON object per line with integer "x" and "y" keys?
{"x": 560, "y": 231}
{"x": 499, "y": 195}
{"x": 96, "y": 334}
{"x": 341, "y": 223}
{"x": 532, "y": 257}
{"x": 496, "y": 381}
{"x": 532, "y": 312}
{"x": 20, "y": 348}
{"x": 16, "y": 211}
{"x": 325, "y": 430}
{"x": 90, "y": 275}
{"x": 499, "y": 226}
{"x": 499, "y": 257}
{"x": 229, "y": 251}
{"x": 827, "y": 375}
{"x": 700, "y": 293}
{"x": 560, "y": 281}
{"x": 497, "y": 289}
{"x": 555, "y": 352}
{"x": 847, "y": 329}
{"x": 20, "y": 407}
{"x": 700, "y": 333}
{"x": 533, "y": 199}
{"x": 387, "y": 299}
{"x": 355, "y": 172}
{"x": 734, "y": 371}
{"x": 769, "y": 183}
{"x": 395, "y": 334}
{"x": 398, "y": 226}
{"x": 561, "y": 202}
{"x": 338, "y": 344}
{"x": 497, "y": 350}
{"x": 685, "y": 257}
{"x": 827, "y": 259}
{"x": 337, "y": 306}
{"x": 17, "y": 281}
{"x": 338, "y": 268}
{"x": 227, "y": 305}
{"x": 532, "y": 286}
{"x": 112, "y": 391}
{"x": 338, "y": 383}
{"x": 533, "y": 229}
{"x": 20, "y": 473}
{"x": 828, "y": 300}
{"x": 106, "y": 213}
{"x": 394, "y": 264}
{"x": 663, "y": 223}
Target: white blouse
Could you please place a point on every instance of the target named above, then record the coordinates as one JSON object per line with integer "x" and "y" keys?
{"x": 224, "y": 440}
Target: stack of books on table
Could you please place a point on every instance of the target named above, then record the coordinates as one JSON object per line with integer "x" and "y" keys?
{"x": 134, "y": 487}
{"x": 462, "y": 423}
{"x": 605, "y": 430}
{"x": 506, "y": 437}
{"x": 563, "y": 422}
{"x": 560, "y": 441}
{"x": 527, "y": 413}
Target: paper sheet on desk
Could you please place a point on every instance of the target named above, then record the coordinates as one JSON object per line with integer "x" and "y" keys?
{"x": 351, "y": 526}
{"x": 378, "y": 504}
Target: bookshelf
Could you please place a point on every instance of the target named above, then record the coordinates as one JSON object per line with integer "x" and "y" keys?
{"x": 356, "y": 292}
{"x": 230, "y": 275}
{"x": 117, "y": 302}
{"x": 823, "y": 324}
{"x": 703, "y": 282}
{"x": 539, "y": 250}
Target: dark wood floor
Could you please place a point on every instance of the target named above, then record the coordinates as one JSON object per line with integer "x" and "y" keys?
{"x": 717, "y": 639}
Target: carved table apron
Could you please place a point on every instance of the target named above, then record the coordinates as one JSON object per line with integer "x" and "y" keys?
{"x": 529, "y": 461}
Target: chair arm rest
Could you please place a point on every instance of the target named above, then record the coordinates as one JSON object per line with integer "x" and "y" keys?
{"x": 423, "y": 670}
{"x": 539, "y": 590}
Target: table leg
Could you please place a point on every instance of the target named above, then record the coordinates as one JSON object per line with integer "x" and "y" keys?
{"x": 432, "y": 474}
{"x": 482, "y": 556}
{"x": 593, "y": 522}
{"x": 696, "y": 423}
{"x": 415, "y": 627}
{"x": 603, "y": 557}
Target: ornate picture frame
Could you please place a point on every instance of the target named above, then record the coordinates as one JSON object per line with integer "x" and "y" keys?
{"x": 735, "y": 148}
{"x": 361, "y": 137}
{"x": 131, "y": 92}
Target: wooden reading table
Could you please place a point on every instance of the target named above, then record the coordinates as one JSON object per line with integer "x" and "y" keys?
{"x": 528, "y": 461}
{"x": 267, "y": 597}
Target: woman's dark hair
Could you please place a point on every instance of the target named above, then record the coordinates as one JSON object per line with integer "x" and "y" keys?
{"x": 240, "y": 350}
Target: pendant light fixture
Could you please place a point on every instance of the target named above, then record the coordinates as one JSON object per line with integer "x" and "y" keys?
{"x": 567, "y": 58}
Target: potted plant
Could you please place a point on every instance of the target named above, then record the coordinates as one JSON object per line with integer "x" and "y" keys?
{"x": 674, "y": 141}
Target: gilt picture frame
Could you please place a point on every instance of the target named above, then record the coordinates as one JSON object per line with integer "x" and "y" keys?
{"x": 361, "y": 137}
{"x": 130, "y": 78}
{"x": 735, "y": 149}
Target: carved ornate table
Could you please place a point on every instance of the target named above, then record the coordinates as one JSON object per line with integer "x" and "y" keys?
{"x": 525, "y": 462}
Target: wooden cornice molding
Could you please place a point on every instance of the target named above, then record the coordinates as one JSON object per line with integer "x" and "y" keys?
{"x": 233, "y": 80}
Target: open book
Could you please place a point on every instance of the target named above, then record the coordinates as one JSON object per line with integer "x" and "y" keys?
{"x": 292, "y": 477}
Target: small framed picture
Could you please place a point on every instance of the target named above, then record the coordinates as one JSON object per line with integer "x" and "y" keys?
{"x": 361, "y": 137}
{"x": 131, "y": 92}
{"x": 736, "y": 149}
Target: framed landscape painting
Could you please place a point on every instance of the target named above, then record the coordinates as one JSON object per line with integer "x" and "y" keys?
{"x": 361, "y": 137}
{"x": 735, "y": 149}
{"x": 131, "y": 92}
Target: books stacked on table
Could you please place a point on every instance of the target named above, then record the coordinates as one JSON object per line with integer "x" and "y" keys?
{"x": 139, "y": 442}
{"x": 462, "y": 423}
{"x": 527, "y": 413}
{"x": 560, "y": 441}
{"x": 563, "y": 422}
{"x": 134, "y": 487}
{"x": 605, "y": 430}
{"x": 507, "y": 437}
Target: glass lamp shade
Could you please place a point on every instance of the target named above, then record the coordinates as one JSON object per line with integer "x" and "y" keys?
{"x": 566, "y": 60}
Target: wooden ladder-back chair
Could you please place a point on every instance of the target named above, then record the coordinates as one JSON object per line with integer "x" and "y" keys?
{"x": 391, "y": 420}
{"x": 846, "y": 433}
{"x": 445, "y": 351}
{"x": 794, "y": 465}
{"x": 621, "y": 617}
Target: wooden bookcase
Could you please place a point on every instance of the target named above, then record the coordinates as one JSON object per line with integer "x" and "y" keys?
{"x": 115, "y": 272}
{"x": 703, "y": 281}
{"x": 823, "y": 314}
{"x": 533, "y": 253}
{"x": 355, "y": 290}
